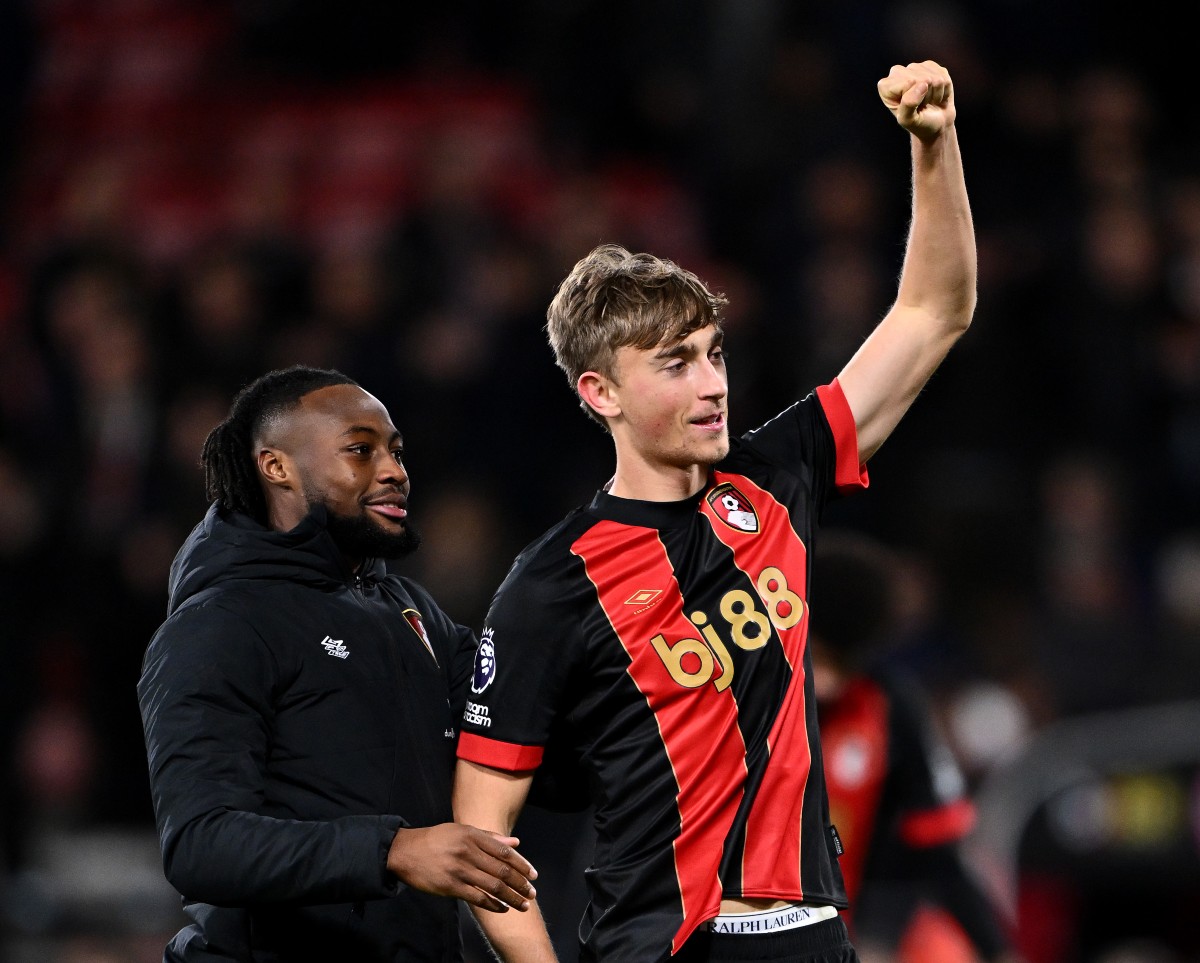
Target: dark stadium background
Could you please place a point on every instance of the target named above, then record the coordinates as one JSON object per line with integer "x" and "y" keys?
{"x": 195, "y": 191}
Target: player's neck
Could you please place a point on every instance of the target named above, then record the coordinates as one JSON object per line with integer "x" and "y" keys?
{"x": 638, "y": 479}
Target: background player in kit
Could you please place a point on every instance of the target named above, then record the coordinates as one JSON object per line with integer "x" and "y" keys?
{"x": 656, "y": 637}
{"x": 895, "y": 791}
{"x": 300, "y": 702}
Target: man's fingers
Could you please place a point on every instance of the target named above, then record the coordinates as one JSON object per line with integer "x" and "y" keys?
{"x": 507, "y": 894}
{"x": 478, "y": 867}
{"x": 502, "y": 848}
{"x": 485, "y": 888}
{"x": 497, "y": 891}
{"x": 915, "y": 85}
{"x": 497, "y": 869}
{"x": 507, "y": 878}
{"x": 485, "y": 901}
{"x": 915, "y": 95}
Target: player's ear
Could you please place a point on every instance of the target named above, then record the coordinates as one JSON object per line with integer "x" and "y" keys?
{"x": 599, "y": 393}
{"x": 274, "y": 468}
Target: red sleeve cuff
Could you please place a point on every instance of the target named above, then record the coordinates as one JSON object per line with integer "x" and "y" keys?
{"x": 850, "y": 473}
{"x": 498, "y": 755}
{"x": 934, "y": 827}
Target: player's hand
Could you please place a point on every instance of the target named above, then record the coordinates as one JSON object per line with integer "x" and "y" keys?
{"x": 921, "y": 97}
{"x": 481, "y": 868}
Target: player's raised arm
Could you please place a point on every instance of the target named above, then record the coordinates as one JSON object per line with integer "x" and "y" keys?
{"x": 492, "y": 799}
{"x": 936, "y": 297}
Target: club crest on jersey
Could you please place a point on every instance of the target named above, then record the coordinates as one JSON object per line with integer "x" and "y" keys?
{"x": 418, "y": 626}
{"x": 733, "y": 508}
{"x": 485, "y": 663}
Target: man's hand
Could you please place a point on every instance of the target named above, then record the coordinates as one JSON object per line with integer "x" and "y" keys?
{"x": 921, "y": 97}
{"x": 479, "y": 867}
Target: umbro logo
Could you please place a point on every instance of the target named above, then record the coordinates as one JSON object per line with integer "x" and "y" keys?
{"x": 336, "y": 648}
{"x": 643, "y": 599}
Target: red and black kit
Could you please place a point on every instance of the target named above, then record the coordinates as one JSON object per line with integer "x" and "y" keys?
{"x": 661, "y": 646}
{"x": 900, "y": 804}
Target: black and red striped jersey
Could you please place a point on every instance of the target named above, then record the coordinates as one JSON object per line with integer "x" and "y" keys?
{"x": 662, "y": 646}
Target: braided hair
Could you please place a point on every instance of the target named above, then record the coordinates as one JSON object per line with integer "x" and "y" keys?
{"x": 230, "y": 468}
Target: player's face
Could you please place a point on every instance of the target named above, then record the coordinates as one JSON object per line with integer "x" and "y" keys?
{"x": 350, "y": 460}
{"x": 674, "y": 401}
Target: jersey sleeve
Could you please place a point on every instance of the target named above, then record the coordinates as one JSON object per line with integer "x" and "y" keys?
{"x": 522, "y": 664}
{"x": 817, "y": 436}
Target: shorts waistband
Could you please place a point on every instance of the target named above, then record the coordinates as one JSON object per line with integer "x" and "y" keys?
{"x": 759, "y": 922}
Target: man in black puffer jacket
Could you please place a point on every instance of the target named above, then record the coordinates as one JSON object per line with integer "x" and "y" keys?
{"x": 300, "y": 704}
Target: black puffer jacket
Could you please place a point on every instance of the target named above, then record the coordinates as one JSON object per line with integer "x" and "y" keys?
{"x": 295, "y": 717}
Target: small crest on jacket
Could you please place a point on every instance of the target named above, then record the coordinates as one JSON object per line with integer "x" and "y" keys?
{"x": 418, "y": 626}
{"x": 335, "y": 647}
{"x": 733, "y": 508}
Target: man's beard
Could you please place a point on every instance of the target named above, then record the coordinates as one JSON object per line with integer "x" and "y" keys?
{"x": 359, "y": 537}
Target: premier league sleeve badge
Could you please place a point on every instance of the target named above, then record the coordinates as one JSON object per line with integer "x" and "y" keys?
{"x": 485, "y": 663}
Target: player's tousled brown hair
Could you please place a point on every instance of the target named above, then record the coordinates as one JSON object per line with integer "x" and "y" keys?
{"x": 615, "y": 299}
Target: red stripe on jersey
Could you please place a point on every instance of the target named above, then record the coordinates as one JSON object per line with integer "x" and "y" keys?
{"x": 933, "y": 827}
{"x": 775, "y": 561}
{"x": 850, "y": 472}
{"x": 499, "y": 755}
{"x": 636, "y": 586}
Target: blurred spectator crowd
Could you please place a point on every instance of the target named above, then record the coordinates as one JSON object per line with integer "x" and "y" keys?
{"x": 197, "y": 191}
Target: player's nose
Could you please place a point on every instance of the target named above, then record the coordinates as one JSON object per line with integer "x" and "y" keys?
{"x": 713, "y": 381}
